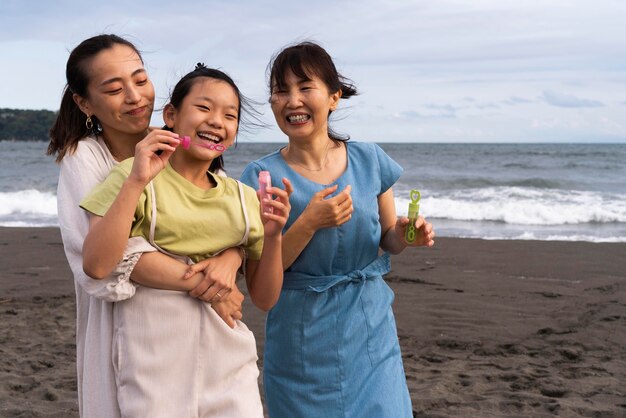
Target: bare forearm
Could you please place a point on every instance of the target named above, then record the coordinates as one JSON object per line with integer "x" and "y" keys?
{"x": 160, "y": 271}
{"x": 391, "y": 242}
{"x": 107, "y": 238}
{"x": 266, "y": 277}
{"x": 295, "y": 241}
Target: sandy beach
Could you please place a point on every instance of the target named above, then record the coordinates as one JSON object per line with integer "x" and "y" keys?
{"x": 487, "y": 328}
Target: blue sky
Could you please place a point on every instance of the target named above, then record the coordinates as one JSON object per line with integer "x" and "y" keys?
{"x": 428, "y": 71}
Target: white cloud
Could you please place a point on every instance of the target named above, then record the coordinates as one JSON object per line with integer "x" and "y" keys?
{"x": 490, "y": 67}
{"x": 514, "y": 100}
{"x": 408, "y": 114}
{"x": 568, "y": 100}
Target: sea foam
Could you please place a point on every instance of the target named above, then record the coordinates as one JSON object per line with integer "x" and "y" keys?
{"x": 522, "y": 206}
{"x": 28, "y": 208}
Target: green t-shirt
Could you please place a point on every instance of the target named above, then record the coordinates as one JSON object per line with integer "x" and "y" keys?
{"x": 191, "y": 221}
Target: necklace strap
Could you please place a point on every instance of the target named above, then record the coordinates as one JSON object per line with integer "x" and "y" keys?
{"x": 290, "y": 159}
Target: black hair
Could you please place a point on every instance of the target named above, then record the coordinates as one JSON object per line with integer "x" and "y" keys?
{"x": 305, "y": 60}
{"x": 69, "y": 127}
{"x": 246, "y": 106}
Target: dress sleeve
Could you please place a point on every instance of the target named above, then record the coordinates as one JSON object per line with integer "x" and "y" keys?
{"x": 390, "y": 171}
{"x": 118, "y": 283}
{"x": 250, "y": 175}
{"x": 79, "y": 173}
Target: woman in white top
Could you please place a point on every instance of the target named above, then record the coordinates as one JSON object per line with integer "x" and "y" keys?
{"x": 105, "y": 111}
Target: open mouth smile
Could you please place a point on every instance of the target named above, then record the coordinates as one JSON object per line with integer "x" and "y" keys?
{"x": 298, "y": 118}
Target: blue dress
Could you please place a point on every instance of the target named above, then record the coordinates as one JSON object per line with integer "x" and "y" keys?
{"x": 331, "y": 345}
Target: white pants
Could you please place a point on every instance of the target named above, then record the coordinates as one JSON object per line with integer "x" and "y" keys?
{"x": 175, "y": 357}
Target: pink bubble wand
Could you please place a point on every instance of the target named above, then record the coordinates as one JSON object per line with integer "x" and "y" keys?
{"x": 185, "y": 142}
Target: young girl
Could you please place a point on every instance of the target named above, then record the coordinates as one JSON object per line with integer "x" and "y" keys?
{"x": 177, "y": 202}
{"x": 331, "y": 346}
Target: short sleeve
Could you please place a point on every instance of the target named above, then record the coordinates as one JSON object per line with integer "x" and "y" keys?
{"x": 390, "y": 171}
{"x": 250, "y": 175}
{"x": 100, "y": 198}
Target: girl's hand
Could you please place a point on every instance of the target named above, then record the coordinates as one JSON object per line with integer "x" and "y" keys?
{"x": 148, "y": 163}
{"x": 274, "y": 223}
{"x": 327, "y": 213}
{"x": 229, "y": 308}
{"x": 220, "y": 274}
{"x": 424, "y": 234}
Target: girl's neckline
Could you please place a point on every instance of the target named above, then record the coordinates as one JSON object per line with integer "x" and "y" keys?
{"x": 218, "y": 184}
{"x": 280, "y": 154}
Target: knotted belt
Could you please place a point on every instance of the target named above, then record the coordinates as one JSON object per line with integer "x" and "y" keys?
{"x": 303, "y": 281}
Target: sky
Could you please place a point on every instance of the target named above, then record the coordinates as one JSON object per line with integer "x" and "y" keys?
{"x": 427, "y": 71}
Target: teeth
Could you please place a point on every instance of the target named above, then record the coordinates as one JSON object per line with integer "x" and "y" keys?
{"x": 210, "y": 137}
{"x": 298, "y": 118}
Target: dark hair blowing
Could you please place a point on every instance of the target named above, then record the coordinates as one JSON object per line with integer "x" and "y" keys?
{"x": 69, "y": 127}
{"x": 306, "y": 60}
{"x": 182, "y": 88}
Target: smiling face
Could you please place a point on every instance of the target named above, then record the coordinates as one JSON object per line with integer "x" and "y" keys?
{"x": 208, "y": 115}
{"x": 120, "y": 94}
{"x": 301, "y": 106}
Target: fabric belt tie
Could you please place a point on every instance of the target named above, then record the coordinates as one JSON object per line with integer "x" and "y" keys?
{"x": 303, "y": 281}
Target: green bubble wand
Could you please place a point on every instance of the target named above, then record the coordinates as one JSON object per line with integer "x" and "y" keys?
{"x": 414, "y": 209}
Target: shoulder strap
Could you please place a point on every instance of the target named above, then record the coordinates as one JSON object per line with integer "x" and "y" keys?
{"x": 153, "y": 220}
{"x": 246, "y": 234}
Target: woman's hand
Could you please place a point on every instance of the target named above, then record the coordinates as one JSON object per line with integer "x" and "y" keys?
{"x": 273, "y": 223}
{"x": 324, "y": 212}
{"x": 220, "y": 273}
{"x": 152, "y": 154}
{"x": 424, "y": 234}
{"x": 229, "y": 308}
{"x": 321, "y": 212}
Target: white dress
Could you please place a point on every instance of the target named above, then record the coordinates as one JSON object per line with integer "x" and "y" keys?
{"x": 124, "y": 377}
{"x": 79, "y": 173}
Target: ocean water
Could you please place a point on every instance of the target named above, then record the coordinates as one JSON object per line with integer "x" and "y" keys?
{"x": 574, "y": 192}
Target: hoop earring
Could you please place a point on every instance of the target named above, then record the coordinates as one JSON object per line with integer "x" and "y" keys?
{"x": 89, "y": 123}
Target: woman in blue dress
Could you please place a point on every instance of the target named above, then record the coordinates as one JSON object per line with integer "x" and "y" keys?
{"x": 331, "y": 347}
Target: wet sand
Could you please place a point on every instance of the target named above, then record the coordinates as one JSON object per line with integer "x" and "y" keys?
{"x": 487, "y": 328}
